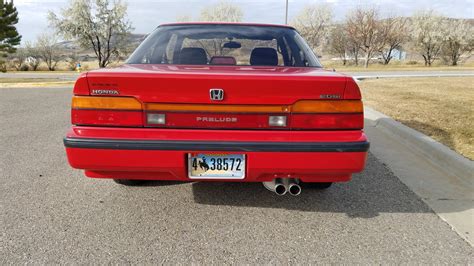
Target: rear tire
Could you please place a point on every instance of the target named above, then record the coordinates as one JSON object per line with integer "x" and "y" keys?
{"x": 129, "y": 182}
{"x": 323, "y": 185}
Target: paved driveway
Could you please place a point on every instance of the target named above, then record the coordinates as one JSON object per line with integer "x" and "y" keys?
{"x": 51, "y": 213}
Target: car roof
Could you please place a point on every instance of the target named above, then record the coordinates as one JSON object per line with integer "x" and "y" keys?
{"x": 227, "y": 23}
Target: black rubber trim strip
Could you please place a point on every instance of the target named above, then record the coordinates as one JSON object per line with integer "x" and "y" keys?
{"x": 88, "y": 143}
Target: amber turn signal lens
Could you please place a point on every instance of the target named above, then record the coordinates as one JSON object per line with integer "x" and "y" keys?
{"x": 113, "y": 103}
{"x": 338, "y": 106}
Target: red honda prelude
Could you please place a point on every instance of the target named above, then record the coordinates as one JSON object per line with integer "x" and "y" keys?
{"x": 219, "y": 102}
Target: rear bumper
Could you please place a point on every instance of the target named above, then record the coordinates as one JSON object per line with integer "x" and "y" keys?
{"x": 310, "y": 156}
{"x": 173, "y": 145}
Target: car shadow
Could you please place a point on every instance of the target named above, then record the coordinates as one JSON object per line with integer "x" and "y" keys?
{"x": 374, "y": 191}
{"x": 158, "y": 183}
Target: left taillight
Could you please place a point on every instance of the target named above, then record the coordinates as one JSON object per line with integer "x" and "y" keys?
{"x": 106, "y": 111}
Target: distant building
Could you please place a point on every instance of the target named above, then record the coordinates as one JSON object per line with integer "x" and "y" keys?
{"x": 399, "y": 54}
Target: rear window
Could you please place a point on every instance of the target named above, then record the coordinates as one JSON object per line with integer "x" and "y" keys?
{"x": 239, "y": 45}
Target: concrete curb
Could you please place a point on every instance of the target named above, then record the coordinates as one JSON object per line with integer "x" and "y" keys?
{"x": 437, "y": 153}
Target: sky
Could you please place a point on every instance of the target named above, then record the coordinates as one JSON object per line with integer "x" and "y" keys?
{"x": 145, "y": 15}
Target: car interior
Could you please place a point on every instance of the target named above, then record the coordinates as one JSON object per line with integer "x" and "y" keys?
{"x": 260, "y": 56}
{"x": 225, "y": 45}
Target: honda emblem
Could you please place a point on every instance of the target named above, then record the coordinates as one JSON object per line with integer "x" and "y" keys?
{"x": 216, "y": 94}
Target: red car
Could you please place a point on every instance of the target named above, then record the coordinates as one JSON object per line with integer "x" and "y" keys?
{"x": 219, "y": 102}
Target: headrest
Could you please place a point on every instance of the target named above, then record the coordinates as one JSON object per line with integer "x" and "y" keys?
{"x": 264, "y": 57}
{"x": 192, "y": 56}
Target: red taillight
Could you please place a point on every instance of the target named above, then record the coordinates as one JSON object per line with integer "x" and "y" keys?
{"x": 106, "y": 111}
{"x": 107, "y": 118}
{"x": 327, "y": 114}
{"x": 327, "y": 121}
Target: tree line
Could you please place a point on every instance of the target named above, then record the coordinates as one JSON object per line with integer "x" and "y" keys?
{"x": 363, "y": 36}
{"x": 98, "y": 25}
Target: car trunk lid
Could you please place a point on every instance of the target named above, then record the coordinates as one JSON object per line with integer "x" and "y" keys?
{"x": 241, "y": 85}
{"x": 171, "y": 96}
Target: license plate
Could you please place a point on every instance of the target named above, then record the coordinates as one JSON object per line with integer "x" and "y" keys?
{"x": 216, "y": 166}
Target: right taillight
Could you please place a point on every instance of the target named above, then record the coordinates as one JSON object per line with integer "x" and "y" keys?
{"x": 334, "y": 114}
{"x": 327, "y": 121}
{"x": 106, "y": 111}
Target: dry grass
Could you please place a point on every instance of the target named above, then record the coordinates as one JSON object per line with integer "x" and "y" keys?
{"x": 32, "y": 82}
{"x": 442, "y": 108}
{"x": 396, "y": 66}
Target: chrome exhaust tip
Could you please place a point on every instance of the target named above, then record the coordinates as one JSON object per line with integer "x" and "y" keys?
{"x": 294, "y": 189}
{"x": 276, "y": 186}
{"x": 280, "y": 189}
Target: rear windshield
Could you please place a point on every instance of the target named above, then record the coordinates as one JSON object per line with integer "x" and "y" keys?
{"x": 239, "y": 45}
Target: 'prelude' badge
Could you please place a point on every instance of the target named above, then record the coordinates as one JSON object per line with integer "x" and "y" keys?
{"x": 216, "y": 119}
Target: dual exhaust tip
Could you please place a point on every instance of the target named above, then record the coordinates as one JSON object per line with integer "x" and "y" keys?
{"x": 281, "y": 186}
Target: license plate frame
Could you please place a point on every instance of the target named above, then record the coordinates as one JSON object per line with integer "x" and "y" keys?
{"x": 193, "y": 172}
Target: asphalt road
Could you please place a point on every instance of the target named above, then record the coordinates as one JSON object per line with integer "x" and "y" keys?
{"x": 51, "y": 213}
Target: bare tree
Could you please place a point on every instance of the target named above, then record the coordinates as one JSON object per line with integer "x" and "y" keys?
{"x": 72, "y": 59}
{"x": 427, "y": 35}
{"x": 354, "y": 47}
{"x": 34, "y": 58}
{"x": 458, "y": 40}
{"x": 313, "y": 23}
{"x": 97, "y": 24}
{"x": 355, "y": 52}
{"x": 364, "y": 29}
{"x": 223, "y": 11}
{"x": 18, "y": 59}
{"x": 339, "y": 43}
{"x": 48, "y": 50}
{"x": 394, "y": 33}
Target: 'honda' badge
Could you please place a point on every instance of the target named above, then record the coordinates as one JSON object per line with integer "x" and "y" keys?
{"x": 216, "y": 94}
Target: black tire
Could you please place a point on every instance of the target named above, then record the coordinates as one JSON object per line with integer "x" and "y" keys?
{"x": 323, "y": 185}
{"x": 129, "y": 182}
